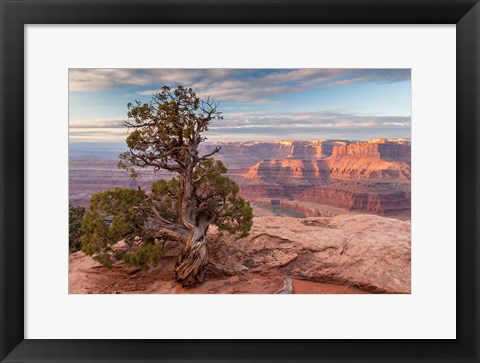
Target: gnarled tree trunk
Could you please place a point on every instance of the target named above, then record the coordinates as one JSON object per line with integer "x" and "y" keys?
{"x": 190, "y": 267}
{"x": 193, "y": 261}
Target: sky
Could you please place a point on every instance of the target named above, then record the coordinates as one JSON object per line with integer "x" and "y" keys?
{"x": 257, "y": 104}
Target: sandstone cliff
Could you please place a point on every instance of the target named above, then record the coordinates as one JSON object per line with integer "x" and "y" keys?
{"x": 277, "y": 169}
{"x": 366, "y": 160}
{"x": 244, "y": 154}
{"x": 373, "y": 161}
{"x": 313, "y": 149}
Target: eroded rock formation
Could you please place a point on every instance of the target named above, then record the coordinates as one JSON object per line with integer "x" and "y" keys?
{"x": 246, "y": 154}
{"x": 278, "y": 169}
{"x": 372, "y": 177}
{"x": 371, "y": 161}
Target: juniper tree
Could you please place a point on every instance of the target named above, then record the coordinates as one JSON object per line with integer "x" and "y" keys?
{"x": 165, "y": 134}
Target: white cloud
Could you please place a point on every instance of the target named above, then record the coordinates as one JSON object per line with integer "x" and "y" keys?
{"x": 230, "y": 84}
{"x": 96, "y": 123}
{"x": 94, "y": 79}
{"x": 308, "y": 119}
{"x": 97, "y": 134}
{"x": 272, "y": 125}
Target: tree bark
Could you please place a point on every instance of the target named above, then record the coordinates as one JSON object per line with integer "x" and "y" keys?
{"x": 190, "y": 267}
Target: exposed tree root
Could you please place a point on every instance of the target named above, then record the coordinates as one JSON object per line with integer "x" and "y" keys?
{"x": 287, "y": 287}
{"x": 217, "y": 270}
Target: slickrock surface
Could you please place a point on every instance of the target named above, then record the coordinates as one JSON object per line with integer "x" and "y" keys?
{"x": 363, "y": 251}
{"x": 343, "y": 254}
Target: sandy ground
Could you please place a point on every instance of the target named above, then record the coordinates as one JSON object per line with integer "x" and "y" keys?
{"x": 310, "y": 287}
{"x": 88, "y": 277}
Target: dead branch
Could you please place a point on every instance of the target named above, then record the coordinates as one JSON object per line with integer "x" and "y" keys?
{"x": 287, "y": 287}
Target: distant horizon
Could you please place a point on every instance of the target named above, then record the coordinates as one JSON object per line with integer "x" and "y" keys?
{"x": 97, "y": 149}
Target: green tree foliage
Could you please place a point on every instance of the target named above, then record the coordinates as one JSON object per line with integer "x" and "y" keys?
{"x": 217, "y": 198}
{"x": 75, "y": 228}
{"x": 145, "y": 256}
{"x": 165, "y": 135}
{"x": 113, "y": 215}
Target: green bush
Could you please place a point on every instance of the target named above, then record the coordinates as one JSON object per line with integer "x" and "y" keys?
{"x": 75, "y": 230}
{"x": 145, "y": 256}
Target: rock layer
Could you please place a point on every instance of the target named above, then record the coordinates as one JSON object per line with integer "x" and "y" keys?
{"x": 372, "y": 161}
{"x": 384, "y": 150}
{"x": 381, "y": 199}
{"x": 290, "y": 168}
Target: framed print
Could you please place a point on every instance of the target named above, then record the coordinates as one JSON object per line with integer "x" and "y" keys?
{"x": 240, "y": 181}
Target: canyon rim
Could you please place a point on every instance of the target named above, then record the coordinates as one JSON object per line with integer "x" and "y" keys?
{"x": 239, "y": 181}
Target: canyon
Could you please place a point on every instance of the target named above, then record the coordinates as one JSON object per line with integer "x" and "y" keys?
{"x": 369, "y": 177}
{"x": 307, "y": 177}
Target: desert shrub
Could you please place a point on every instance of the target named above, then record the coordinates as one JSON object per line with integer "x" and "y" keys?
{"x": 75, "y": 230}
{"x": 113, "y": 216}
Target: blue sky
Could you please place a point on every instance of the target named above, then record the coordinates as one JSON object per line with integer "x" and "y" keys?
{"x": 257, "y": 104}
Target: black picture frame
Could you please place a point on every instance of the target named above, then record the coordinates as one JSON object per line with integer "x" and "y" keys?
{"x": 15, "y": 14}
